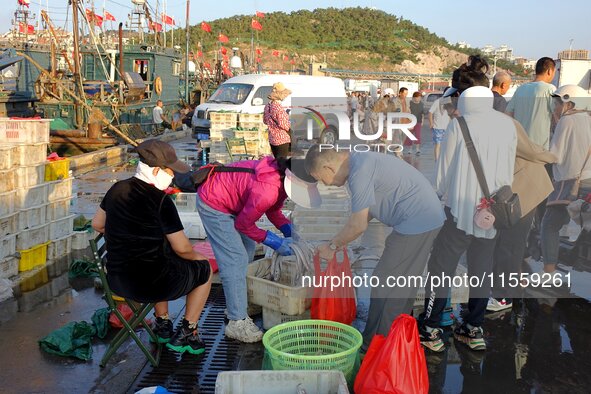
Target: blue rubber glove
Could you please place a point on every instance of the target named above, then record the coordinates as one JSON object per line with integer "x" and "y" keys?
{"x": 287, "y": 230}
{"x": 280, "y": 245}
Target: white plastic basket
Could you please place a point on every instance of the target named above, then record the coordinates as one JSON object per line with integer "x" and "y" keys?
{"x": 32, "y": 217}
{"x": 62, "y": 227}
{"x": 281, "y": 382}
{"x": 58, "y": 190}
{"x": 80, "y": 239}
{"x": 7, "y": 202}
{"x": 30, "y": 237}
{"x": 60, "y": 247}
{"x": 9, "y": 224}
{"x": 30, "y": 154}
{"x": 8, "y": 267}
{"x": 7, "y": 246}
{"x": 271, "y": 318}
{"x": 58, "y": 209}
{"x": 24, "y": 131}
{"x": 7, "y": 180}
{"x": 192, "y": 224}
{"x": 186, "y": 202}
{"x": 31, "y": 196}
{"x": 8, "y": 155}
{"x": 27, "y": 176}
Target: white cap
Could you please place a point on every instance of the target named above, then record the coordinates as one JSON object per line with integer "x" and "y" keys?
{"x": 574, "y": 94}
{"x": 388, "y": 92}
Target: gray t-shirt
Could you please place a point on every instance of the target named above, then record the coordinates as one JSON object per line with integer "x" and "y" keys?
{"x": 396, "y": 193}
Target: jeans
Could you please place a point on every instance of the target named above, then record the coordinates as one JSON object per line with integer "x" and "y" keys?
{"x": 233, "y": 252}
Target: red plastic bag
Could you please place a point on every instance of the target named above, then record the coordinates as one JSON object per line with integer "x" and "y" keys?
{"x": 205, "y": 249}
{"x": 394, "y": 364}
{"x": 125, "y": 311}
{"x": 334, "y": 303}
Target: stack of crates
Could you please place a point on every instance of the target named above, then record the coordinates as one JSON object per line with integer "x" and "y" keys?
{"x": 222, "y": 125}
{"x": 34, "y": 197}
{"x": 255, "y": 133}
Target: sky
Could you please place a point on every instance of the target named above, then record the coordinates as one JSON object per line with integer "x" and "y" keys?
{"x": 533, "y": 28}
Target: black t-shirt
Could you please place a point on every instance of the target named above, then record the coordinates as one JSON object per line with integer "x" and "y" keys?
{"x": 499, "y": 103}
{"x": 417, "y": 110}
{"x": 138, "y": 218}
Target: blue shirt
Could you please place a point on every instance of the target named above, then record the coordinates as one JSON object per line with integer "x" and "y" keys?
{"x": 395, "y": 192}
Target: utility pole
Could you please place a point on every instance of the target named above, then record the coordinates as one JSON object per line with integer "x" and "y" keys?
{"x": 187, "y": 35}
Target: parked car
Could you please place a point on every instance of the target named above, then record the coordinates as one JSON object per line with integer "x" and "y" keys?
{"x": 429, "y": 99}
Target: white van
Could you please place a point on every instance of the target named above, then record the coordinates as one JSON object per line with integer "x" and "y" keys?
{"x": 319, "y": 96}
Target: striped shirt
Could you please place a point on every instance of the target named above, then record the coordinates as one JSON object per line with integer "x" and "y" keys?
{"x": 277, "y": 120}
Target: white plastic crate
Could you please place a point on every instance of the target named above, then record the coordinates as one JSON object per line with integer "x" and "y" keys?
{"x": 32, "y": 217}
{"x": 192, "y": 223}
{"x": 7, "y": 202}
{"x": 31, "y": 196}
{"x": 80, "y": 239}
{"x": 28, "y": 238}
{"x": 58, "y": 209}
{"x": 272, "y": 318}
{"x": 7, "y": 180}
{"x": 281, "y": 382}
{"x": 27, "y": 176}
{"x": 7, "y": 246}
{"x": 30, "y": 154}
{"x": 8, "y": 155}
{"x": 186, "y": 202}
{"x": 62, "y": 227}
{"x": 58, "y": 190}
{"x": 9, "y": 224}
{"x": 24, "y": 131}
{"x": 262, "y": 291}
{"x": 59, "y": 247}
{"x": 8, "y": 267}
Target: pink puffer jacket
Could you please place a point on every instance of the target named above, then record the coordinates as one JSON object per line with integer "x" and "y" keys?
{"x": 248, "y": 196}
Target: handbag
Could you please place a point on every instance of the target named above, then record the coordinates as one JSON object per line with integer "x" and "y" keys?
{"x": 503, "y": 204}
{"x": 566, "y": 191}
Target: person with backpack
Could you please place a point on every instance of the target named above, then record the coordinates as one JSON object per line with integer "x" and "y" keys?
{"x": 230, "y": 201}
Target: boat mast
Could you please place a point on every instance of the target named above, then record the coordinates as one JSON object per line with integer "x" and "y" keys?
{"x": 77, "y": 76}
{"x": 187, "y": 35}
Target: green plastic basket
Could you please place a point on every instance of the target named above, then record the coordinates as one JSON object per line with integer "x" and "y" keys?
{"x": 313, "y": 345}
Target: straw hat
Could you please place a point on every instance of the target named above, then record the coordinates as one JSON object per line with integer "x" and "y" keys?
{"x": 279, "y": 92}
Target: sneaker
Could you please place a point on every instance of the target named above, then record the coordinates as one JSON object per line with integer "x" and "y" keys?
{"x": 244, "y": 331}
{"x": 163, "y": 330}
{"x": 473, "y": 337}
{"x": 431, "y": 338}
{"x": 186, "y": 339}
{"x": 495, "y": 305}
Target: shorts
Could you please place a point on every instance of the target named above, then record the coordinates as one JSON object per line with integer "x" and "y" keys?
{"x": 169, "y": 281}
{"x": 438, "y": 135}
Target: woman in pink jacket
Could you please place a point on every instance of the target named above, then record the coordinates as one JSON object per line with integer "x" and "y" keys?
{"x": 229, "y": 204}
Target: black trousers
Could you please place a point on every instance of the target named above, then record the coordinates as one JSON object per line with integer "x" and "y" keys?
{"x": 281, "y": 150}
{"x": 448, "y": 247}
{"x": 508, "y": 255}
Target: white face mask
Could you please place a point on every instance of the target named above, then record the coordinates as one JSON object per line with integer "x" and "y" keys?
{"x": 146, "y": 173}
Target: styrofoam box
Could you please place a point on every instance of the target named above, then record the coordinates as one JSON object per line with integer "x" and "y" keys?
{"x": 24, "y": 131}
{"x": 59, "y": 247}
{"x": 62, "y": 227}
{"x": 31, "y": 217}
{"x": 8, "y": 156}
{"x": 9, "y": 224}
{"x": 272, "y": 318}
{"x": 7, "y": 246}
{"x": 192, "y": 223}
{"x": 186, "y": 202}
{"x": 58, "y": 190}
{"x": 281, "y": 382}
{"x": 30, "y": 154}
{"x": 32, "y": 196}
{"x": 80, "y": 239}
{"x": 7, "y": 180}
{"x": 34, "y": 236}
{"x": 8, "y": 267}
{"x": 7, "y": 202}
{"x": 291, "y": 300}
{"x": 58, "y": 209}
{"x": 26, "y": 176}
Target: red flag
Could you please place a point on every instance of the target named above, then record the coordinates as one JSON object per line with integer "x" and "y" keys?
{"x": 199, "y": 54}
{"x": 223, "y": 50}
{"x": 222, "y": 38}
{"x": 292, "y": 61}
{"x": 205, "y": 27}
{"x": 227, "y": 71}
{"x": 24, "y": 2}
{"x": 29, "y": 29}
{"x": 167, "y": 20}
{"x": 256, "y": 25}
{"x": 285, "y": 58}
{"x": 258, "y": 59}
{"x": 275, "y": 53}
{"x": 91, "y": 16}
{"x": 109, "y": 16}
{"x": 260, "y": 14}
{"x": 259, "y": 51}
{"x": 207, "y": 65}
{"x": 226, "y": 59}
{"x": 154, "y": 26}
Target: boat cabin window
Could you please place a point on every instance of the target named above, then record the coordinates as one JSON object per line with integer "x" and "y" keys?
{"x": 263, "y": 93}
{"x": 141, "y": 67}
{"x": 231, "y": 93}
{"x": 176, "y": 68}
